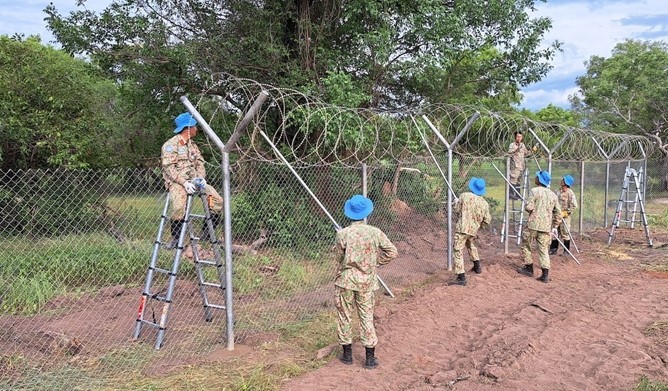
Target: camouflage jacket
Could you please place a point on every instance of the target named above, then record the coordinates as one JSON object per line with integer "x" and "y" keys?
{"x": 567, "y": 200}
{"x": 544, "y": 210}
{"x": 517, "y": 155}
{"x": 357, "y": 247}
{"x": 181, "y": 161}
{"x": 473, "y": 213}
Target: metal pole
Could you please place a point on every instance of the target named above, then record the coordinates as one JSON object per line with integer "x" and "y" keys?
{"x": 450, "y": 228}
{"x": 364, "y": 185}
{"x": 438, "y": 166}
{"x": 565, "y": 249}
{"x": 607, "y": 177}
{"x": 227, "y": 193}
{"x": 315, "y": 198}
{"x": 507, "y": 181}
{"x": 644, "y": 179}
{"x": 202, "y": 122}
{"x": 506, "y": 210}
{"x": 580, "y": 209}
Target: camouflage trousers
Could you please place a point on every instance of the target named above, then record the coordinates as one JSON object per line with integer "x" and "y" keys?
{"x": 462, "y": 240}
{"x": 346, "y": 301}
{"x": 178, "y": 197}
{"x": 565, "y": 228}
{"x": 543, "y": 239}
{"x": 514, "y": 176}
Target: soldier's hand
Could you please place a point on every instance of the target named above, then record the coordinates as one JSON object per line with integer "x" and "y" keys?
{"x": 564, "y": 214}
{"x": 190, "y": 188}
{"x": 554, "y": 232}
{"x": 535, "y": 148}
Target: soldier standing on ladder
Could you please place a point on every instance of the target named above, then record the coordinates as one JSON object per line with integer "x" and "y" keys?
{"x": 568, "y": 204}
{"x": 183, "y": 171}
{"x": 518, "y": 152}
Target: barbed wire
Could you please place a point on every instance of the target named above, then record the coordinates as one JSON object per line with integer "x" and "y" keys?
{"x": 311, "y": 132}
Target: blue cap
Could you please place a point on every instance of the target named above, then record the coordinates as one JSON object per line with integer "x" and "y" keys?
{"x": 544, "y": 177}
{"x": 184, "y": 120}
{"x": 477, "y": 186}
{"x": 568, "y": 180}
{"x": 358, "y": 207}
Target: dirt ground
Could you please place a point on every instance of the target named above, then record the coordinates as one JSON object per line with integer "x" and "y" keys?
{"x": 600, "y": 325}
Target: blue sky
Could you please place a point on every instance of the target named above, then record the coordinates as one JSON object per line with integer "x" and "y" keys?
{"x": 585, "y": 28}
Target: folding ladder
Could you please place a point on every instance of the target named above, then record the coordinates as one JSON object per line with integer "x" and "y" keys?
{"x": 516, "y": 211}
{"x": 630, "y": 199}
{"x": 187, "y": 234}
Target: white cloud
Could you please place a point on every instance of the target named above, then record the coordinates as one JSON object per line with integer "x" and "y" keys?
{"x": 588, "y": 28}
{"x": 539, "y": 98}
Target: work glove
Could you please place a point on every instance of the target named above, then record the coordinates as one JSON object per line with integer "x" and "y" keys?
{"x": 554, "y": 232}
{"x": 564, "y": 214}
{"x": 190, "y": 188}
{"x": 534, "y": 148}
{"x": 200, "y": 183}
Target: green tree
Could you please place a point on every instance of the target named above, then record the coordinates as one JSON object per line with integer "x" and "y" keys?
{"x": 396, "y": 53}
{"x": 55, "y": 111}
{"x": 628, "y": 93}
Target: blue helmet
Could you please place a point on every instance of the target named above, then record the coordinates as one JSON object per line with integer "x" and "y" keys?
{"x": 544, "y": 178}
{"x": 568, "y": 180}
{"x": 477, "y": 186}
{"x": 184, "y": 120}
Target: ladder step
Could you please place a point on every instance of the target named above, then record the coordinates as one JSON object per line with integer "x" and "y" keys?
{"x": 216, "y": 306}
{"x": 212, "y": 284}
{"x": 207, "y": 262}
{"x": 197, "y": 216}
{"x": 149, "y": 323}
{"x": 164, "y": 271}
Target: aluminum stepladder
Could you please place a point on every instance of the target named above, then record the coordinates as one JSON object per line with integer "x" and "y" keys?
{"x": 516, "y": 211}
{"x": 631, "y": 194}
{"x": 187, "y": 234}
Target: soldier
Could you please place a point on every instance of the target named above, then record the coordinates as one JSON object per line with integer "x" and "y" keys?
{"x": 357, "y": 247}
{"x": 473, "y": 212}
{"x": 544, "y": 216}
{"x": 518, "y": 152}
{"x": 183, "y": 164}
{"x": 568, "y": 204}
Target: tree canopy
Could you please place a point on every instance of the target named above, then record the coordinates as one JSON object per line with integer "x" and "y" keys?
{"x": 628, "y": 92}
{"x": 56, "y": 111}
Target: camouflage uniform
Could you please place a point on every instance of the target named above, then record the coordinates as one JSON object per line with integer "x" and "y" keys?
{"x": 473, "y": 212}
{"x": 182, "y": 161}
{"x": 544, "y": 214}
{"x": 356, "y": 280}
{"x": 518, "y": 152}
{"x": 568, "y": 204}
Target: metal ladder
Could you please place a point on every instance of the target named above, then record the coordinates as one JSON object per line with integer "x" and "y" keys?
{"x": 516, "y": 212}
{"x": 630, "y": 199}
{"x": 187, "y": 233}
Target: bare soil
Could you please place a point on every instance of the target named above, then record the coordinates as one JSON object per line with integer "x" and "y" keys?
{"x": 600, "y": 325}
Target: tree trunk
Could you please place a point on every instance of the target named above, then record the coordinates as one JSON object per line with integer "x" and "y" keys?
{"x": 664, "y": 174}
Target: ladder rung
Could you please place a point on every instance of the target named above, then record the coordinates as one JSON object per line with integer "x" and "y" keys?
{"x": 159, "y": 298}
{"x": 149, "y": 323}
{"x": 164, "y": 271}
{"x": 211, "y": 284}
{"x": 207, "y": 262}
{"x": 216, "y": 306}
{"x": 197, "y": 216}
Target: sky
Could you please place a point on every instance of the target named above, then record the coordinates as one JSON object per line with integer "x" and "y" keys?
{"x": 585, "y": 28}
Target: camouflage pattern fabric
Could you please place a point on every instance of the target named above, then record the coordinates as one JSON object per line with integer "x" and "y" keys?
{"x": 462, "y": 240}
{"x": 517, "y": 152}
{"x": 568, "y": 203}
{"x": 544, "y": 210}
{"x": 472, "y": 212}
{"x": 543, "y": 239}
{"x": 346, "y": 301}
{"x": 182, "y": 161}
{"x": 357, "y": 246}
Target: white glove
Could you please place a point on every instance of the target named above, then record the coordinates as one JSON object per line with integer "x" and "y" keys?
{"x": 190, "y": 188}
{"x": 199, "y": 182}
{"x": 555, "y": 232}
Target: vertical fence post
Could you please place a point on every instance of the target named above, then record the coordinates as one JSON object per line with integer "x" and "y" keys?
{"x": 607, "y": 178}
{"x": 580, "y": 209}
{"x": 364, "y": 184}
{"x": 644, "y": 178}
{"x": 506, "y": 210}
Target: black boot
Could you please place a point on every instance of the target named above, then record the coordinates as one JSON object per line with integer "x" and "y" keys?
{"x": 476, "y": 267}
{"x": 527, "y": 270}
{"x": 175, "y": 226}
{"x": 544, "y": 277}
{"x": 371, "y": 361}
{"x": 567, "y": 244}
{"x": 514, "y": 194}
{"x": 347, "y": 356}
{"x": 215, "y": 221}
{"x": 554, "y": 246}
{"x": 460, "y": 280}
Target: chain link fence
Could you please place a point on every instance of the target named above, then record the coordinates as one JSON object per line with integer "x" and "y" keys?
{"x": 77, "y": 246}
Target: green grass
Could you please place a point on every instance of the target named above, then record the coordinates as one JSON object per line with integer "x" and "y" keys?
{"x": 647, "y": 385}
